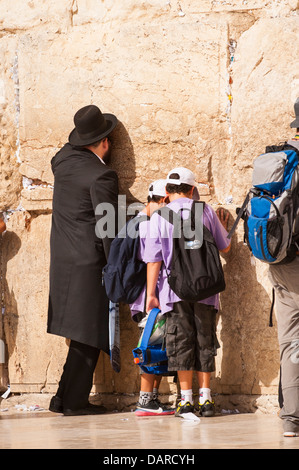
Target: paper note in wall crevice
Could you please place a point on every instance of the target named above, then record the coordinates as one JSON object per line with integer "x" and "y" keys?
{"x": 7, "y": 393}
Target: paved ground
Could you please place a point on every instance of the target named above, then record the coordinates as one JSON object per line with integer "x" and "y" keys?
{"x": 45, "y": 430}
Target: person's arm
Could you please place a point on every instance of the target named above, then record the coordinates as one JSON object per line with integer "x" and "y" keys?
{"x": 223, "y": 216}
{"x": 226, "y": 250}
{"x": 2, "y": 226}
{"x": 153, "y": 258}
{"x": 153, "y": 270}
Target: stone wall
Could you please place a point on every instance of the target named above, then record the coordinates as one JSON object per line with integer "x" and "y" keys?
{"x": 204, "y": 84}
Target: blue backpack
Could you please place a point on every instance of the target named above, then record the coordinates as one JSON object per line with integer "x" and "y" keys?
{"x": 271, "y": 206}
{"x": 124, "y": 275}
{"x": 151, "y": 358}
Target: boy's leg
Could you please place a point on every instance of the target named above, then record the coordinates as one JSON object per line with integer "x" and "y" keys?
{"x": 207, "y": 343}
{"x": 206, "y": 404}
{"x": 147, "y": 383}
{"x": 185, "y": 378}
{"x": 149, "y": 405}
{"x": 186, "y": 402}
{"x": 180, "y": 347}
{"x": 145, "y": 405}
{"x": 157, "y": 381}
{"x": 204, "y": 379}
{"x": 146, "y": 389}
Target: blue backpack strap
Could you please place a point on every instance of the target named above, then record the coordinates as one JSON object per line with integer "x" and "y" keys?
{"x": 149, "y": 327}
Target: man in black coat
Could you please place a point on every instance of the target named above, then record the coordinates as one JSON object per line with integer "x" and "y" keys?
{"x": 78, "y": 305}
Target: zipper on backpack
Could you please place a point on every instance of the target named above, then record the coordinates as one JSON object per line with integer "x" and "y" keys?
{"x": 255, "y": 239}
{"x": 261, "y": 242}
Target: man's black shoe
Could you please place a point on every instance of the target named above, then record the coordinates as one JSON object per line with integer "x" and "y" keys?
{"x": 89, "y": 410}
{"x": 56, "y": 406}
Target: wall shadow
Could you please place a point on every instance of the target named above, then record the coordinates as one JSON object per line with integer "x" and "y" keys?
{"x": 123, "y": 161}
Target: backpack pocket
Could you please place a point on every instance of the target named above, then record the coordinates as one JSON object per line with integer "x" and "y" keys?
{"x": 274, "y": 235}
{"x": 265, "y": 237}
{"x": 113, "y": 284}
{"x": 269, "y": 172}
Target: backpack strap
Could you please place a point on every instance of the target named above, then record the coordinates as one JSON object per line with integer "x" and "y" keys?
{"x": 281, "y": 147}
{"x": 272, "y": 308}
{"x": 176, "y": 219}
{"x": 240, "y": 213}
{"x": 167, "y": 214}
{"x": 149, "y": 327}
{"x": 170, "y": 215}
{"x": 197, "y": 202}
{"x": 132, "y": 226}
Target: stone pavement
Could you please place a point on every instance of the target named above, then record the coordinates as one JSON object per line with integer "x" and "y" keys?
{"x": 45, "y": 430}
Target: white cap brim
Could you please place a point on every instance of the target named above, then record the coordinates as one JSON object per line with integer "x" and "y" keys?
{"x": 186, "y": 176}
{"x": 157, "y": 188}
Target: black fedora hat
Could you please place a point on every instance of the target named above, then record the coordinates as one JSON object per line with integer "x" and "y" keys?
{"x": 91, "y": 126}
{"x": 296, "y": 109}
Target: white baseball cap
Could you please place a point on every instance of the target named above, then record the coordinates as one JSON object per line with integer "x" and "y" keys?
{"x": 183, "y": 175}
{"x": 157, "y": 188}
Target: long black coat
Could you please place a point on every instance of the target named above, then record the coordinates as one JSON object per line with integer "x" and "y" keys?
{"x": 78, "y": 305}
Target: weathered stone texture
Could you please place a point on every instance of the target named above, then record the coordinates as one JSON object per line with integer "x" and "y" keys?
{"x": 202, "y": 84}
{"x": 265, "y": 87}
{"x": 10, "y": 184}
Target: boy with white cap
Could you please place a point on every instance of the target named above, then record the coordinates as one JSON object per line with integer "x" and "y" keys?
{"x": 191, "y": 341}
{"x": 148, "y": 404}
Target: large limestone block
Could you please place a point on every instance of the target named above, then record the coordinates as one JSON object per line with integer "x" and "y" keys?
{"x": 87, "y": 11}
{"x": 265, "y": 86}
{"x": 10, "y": 181}
{"x": 166, "y": 115}
{"x": 27, "y": 14}
{"x": 34, "y": 356}
{"x": 38, "y": 198}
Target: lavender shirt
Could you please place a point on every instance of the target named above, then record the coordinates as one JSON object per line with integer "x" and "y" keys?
{"x": 156, "y": 245}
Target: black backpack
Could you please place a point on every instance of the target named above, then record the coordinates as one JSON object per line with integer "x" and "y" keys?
{"x": 124, "y": 274}
{"x": 196, "y": 271}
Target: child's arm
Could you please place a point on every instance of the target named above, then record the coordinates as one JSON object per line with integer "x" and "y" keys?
{"x": 2, "y": 225}
{"x": 153, "y": 270}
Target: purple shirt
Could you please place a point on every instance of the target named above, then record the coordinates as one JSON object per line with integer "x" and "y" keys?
{"x": 157, "y": 246}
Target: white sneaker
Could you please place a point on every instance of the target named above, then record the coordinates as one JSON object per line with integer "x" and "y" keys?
{"x": 290, "y": 434}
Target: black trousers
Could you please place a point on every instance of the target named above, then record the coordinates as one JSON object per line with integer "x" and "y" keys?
{"x": 77, "y": 377}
